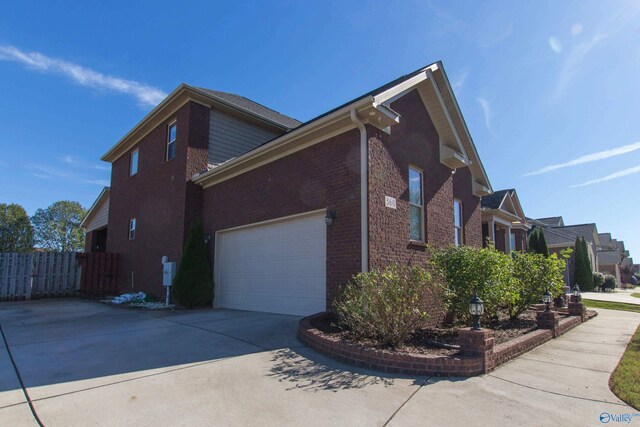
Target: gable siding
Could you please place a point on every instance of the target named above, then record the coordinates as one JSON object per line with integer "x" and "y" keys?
{"x": 100, "y": 218}
{"x": 230, "y": 137}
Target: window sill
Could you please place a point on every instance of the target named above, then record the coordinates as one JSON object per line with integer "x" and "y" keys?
{"x": 417, "y": 243}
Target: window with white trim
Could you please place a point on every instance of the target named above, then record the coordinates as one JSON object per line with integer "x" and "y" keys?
{"x": 416, "y": 205}
{"x": 132, "y": 229}
{"x": 133, "y": 162}
{"x": 457, "y": 223}
{"x": 171, "y": 141}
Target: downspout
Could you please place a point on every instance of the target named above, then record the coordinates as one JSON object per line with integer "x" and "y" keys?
{"x": 364, "y": 192}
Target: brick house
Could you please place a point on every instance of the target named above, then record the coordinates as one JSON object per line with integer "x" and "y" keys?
{"x": 293, "y": 210}
{"x": 504, "y": 221}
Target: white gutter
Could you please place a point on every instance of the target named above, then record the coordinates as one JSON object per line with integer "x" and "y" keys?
{"x": 364, "y": 191}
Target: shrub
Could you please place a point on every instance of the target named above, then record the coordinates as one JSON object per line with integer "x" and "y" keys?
{"x": 610, "y": 282}
{"x": 583, "y": 273}
{"x": 386, "y": 305}
{"x": 193, "y": 285}
{"x": 598, "y": 280}
{"x": 534, "y": 274}
{"x": 467, "y": 271}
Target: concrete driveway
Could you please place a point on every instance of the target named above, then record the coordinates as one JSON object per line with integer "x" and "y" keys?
{"x": 620, "y": 295}
{"x": 85, "y": 363}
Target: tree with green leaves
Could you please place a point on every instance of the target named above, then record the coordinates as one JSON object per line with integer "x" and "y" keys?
{"x": 542, "y": 243}
{"x": 583, "y": 274}
{"x": 193, "y": 285}
{"x": 16, "y": 231}
{"x": 57, "y": 228}
{"x": 534, "y": 243}
{"x": 538, "y": 242}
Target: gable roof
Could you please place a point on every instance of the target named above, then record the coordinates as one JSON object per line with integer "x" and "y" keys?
{"x": 252, "y": 107}
{"x": 97, "y": 204}
{"x": 374, "y": 108}
{"x": 185, "y": 93}
{"x": 493, "y": 201}
{"x": 553, "y": 221}
{"x": 567, "y": 235}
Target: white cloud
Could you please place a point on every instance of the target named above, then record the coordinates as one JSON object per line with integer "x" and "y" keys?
{"x": 460, "y": 80}
{"x": 146, "y": 95}
{"x": 594, "y": 157}
{"x": 486, "y": 110}
{"x": 576, "y": 29}
{"x": 555, "y": 44}
{"x": 622, "y": 173}
{"x": 78, "y": 163}
{"x": 102, "y": 182}
{"x": 574, "y": 62}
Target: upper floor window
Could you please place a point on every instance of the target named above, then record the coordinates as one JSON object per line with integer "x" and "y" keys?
{"x": 171, "y": 141}
{"x": 133, "y": 162}
{"x": 132, "y": 229}
{"x": 416, "y": 205}
{"x": 457, "y": 223}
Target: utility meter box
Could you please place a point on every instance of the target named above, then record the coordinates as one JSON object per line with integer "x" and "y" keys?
{"x": 168, "y": 273}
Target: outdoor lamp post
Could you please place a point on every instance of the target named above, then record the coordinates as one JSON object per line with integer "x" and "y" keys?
{"x": 546, "y": 298}
{"x": 476, "y": 308}
{"x": 576, "y": 293}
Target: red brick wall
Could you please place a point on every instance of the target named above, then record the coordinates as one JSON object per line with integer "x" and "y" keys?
{"x": 159, "y": 198}
{"x": 413, "y": 141}
{"x": 471, "y": 211}
{"x": 326, "y": 175}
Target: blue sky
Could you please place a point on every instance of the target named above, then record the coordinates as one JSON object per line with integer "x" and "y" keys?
{"x": 549, "y": 89}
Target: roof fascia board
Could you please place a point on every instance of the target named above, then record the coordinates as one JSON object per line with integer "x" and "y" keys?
{"x": 465, "y": 129}
{"x": 172, "y": 103}
{"x": 206, "y": 179}
{"x": 96, "y": 203}
{"x": 235, "y": 108}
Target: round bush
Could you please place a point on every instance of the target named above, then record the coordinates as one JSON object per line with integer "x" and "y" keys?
{"x": 386, "y": 305}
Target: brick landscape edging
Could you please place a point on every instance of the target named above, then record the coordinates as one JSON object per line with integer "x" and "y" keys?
{"x": 423, "y": 364}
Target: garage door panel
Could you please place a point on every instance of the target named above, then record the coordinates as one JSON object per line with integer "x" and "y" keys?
{"x": 277, "y": 267}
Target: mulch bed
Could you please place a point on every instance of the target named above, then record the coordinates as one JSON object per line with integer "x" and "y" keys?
{"x": 440, "y": 341}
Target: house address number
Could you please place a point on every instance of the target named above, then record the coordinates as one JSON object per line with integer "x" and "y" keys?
{"x": 390, "y": 202}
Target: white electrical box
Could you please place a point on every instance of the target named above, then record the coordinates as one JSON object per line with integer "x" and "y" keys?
{"x": 168, "y": 273}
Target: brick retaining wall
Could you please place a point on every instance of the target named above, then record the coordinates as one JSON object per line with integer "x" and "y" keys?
{"x": 457, "y": 365}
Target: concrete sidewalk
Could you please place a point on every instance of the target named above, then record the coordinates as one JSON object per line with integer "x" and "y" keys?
{"x": 621, "y": 295}
{"x": 89, "y": 364}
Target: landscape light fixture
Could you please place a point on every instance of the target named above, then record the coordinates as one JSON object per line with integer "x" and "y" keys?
{"x": 546, "y": 298}
{"x": 331, "y": 215}
{"x": 476, "y": 308}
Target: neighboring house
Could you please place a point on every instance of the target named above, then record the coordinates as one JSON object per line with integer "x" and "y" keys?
{"x": 504, "y": 221}
{"x": 560, "y": 237}
{"x": 95, "y": 223}
{"x": 552, "y": 221}
{"x": 614, "y": 259}
{"x": 293, "y": 210}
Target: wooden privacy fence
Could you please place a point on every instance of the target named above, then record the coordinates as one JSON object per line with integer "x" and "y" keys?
{"x": 48, "y": 274}
{"x": 38, "y": 274}
{"x": 98, "y": 274}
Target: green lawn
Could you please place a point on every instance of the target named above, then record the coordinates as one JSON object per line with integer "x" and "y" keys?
{"x": 611, "y": 305}
{"x": 636, "y": 294}
{"x": 625, "y": 380}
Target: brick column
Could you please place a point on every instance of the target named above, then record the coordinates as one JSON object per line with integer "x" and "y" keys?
{"x": 577, "y": 309}
{"x": 548, "y": 320}
{"x": 478, "y": 344}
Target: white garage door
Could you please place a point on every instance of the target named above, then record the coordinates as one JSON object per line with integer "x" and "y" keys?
{"x": 277, "y": 267}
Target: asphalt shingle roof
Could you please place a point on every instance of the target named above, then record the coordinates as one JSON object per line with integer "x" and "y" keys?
{"x": 568, "y": 234}
{"x": 553, "y": 221}
{"x": 254, "y": 108}
{"x": 494, "y": 200}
